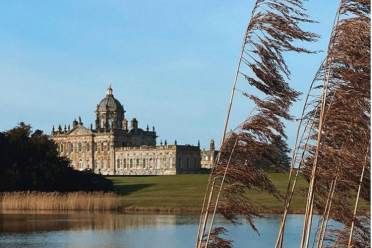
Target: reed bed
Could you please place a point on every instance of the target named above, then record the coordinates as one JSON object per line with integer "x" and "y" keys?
{"x": 89, "y": 201}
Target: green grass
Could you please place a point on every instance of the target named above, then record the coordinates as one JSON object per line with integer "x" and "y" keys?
{"x": 180, "y": 191}
{"x": 186, "y": 192}
{"x": 280, "y": 180}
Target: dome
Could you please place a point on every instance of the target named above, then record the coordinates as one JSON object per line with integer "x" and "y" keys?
{"x": 110, "y": 103}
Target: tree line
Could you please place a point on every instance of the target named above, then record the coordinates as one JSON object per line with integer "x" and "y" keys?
{"x": 29, "y": 161}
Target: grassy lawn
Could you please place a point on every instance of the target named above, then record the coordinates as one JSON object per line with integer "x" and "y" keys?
{"x": 180, "y": 191}
{"x": 187, "y": 191}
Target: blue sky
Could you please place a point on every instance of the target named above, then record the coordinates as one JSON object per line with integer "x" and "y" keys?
{"x": 171, "y": 63}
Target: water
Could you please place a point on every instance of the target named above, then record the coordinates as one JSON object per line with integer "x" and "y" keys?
{"x": 114, "y": 230}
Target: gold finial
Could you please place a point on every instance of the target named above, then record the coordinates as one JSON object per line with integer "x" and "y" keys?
{"x": 109, "y": 90}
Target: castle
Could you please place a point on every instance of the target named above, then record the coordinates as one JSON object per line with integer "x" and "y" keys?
{"x": 113, "y": 148}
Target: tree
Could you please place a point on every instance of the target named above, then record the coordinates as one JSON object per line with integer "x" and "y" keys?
{"x": 29, "y": 161}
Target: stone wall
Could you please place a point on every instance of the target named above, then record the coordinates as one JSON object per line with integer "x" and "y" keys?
{"x": 78, "y": 149}
{"x": 98, "y": 153}
{"x": 208, "y": 158}
{"x": 104, "y": 154}
{"x": 159, "y": 160}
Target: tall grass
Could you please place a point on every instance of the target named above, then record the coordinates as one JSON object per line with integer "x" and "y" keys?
{"x": 59, "y": 201}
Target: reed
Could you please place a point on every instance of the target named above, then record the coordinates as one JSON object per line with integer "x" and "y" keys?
{"x": 89, "y": 201}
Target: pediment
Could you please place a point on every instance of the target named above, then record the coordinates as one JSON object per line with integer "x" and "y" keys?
{"x": 80, "y": 130}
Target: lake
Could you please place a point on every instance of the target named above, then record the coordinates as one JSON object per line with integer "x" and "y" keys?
{"x": 114, "y": 230}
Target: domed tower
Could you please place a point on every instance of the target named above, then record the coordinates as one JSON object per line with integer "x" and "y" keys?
{"x": 109, "y": 113}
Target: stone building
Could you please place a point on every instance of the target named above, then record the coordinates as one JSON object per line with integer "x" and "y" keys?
{"x": 113, "y": 148}
{"x": 208, "y": 157}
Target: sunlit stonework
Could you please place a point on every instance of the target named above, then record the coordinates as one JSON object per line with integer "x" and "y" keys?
{"x": 113, "y": 148}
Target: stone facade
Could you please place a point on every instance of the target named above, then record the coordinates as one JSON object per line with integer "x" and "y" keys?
{"x": 111, "y": 148}
{"x": 208, "y": 157}
{"x": 159, "y": 160}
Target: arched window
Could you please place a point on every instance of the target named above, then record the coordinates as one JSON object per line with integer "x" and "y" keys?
{"x": 144, "y": 163}
{"x": 125, "y": 163}
{"x": 118, "y": 163}
{"x": 131, "y": 163}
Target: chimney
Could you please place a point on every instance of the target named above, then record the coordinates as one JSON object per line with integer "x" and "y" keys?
{"x": 134, "y": 123}
{"x": 211, "y": 145}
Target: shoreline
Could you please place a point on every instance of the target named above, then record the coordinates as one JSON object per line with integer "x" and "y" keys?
{"x": 134, "y": 210}
{"x": 162, "y": 210}
{"x": 153, "y": 210}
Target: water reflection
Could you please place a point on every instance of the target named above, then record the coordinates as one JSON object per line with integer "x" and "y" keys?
{"x": 114, "y": 230}
{"x": 24, "y": 222}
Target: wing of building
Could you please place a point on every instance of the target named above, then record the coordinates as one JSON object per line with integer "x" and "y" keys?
{"x": 113, "y": 148}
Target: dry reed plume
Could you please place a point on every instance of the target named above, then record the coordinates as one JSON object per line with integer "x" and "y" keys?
{"x": 343, "y": 158}
{"x": 89, "y": 201}
{"x": 334, "y": 152}
{"x": 273, "y": 29}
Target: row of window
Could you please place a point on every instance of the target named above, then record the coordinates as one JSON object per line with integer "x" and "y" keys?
{"x": 124, "y": 163}
{"x": 143, "y": 163}
{"x": 99, "y": 164}
{"x": 82, "y": 147}
{"x": 149, "y": 154}
{"x": 86, "y": 147}
{"x": 140, "y": 163}
{"x": 111, "y": 123}
{"x": 77, "y": 147}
